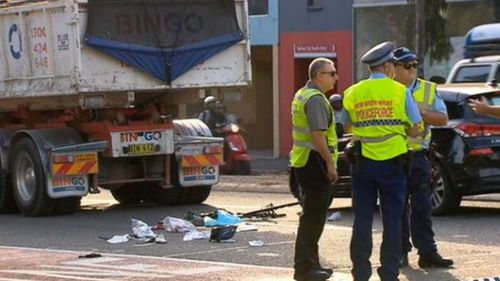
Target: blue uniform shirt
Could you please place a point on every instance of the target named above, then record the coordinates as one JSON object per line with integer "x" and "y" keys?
{"x": 411, "y": 105}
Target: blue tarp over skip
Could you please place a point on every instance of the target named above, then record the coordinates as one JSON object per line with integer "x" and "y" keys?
{"x": 164, "y": 38}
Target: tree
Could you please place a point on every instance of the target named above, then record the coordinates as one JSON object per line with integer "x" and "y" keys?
{"x": 430, "y": 29}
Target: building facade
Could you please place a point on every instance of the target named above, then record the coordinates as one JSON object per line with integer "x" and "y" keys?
{"x": 381, "y": 20}
{"x": 310, "y": 29}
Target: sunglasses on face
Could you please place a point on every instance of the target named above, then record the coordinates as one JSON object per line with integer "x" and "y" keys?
{"x": 409, "y": 66}
{"x": 332, "y": 73}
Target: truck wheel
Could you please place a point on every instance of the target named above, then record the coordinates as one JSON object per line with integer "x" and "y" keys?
{"x": 167, "y": 196}
{"x": 7, "y": 203}
{"x": 196, "y": 194}
{"x": 444, "y": 199}
{"x": 29, "y": 183}
{"x": 67, "y": 205}
{"x": 128, "y": 193}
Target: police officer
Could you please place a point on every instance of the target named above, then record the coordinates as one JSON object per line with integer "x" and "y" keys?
{"x": 433, "y": 112}
{"x": 381, "y": 115}
{"x": 313, "y": 160}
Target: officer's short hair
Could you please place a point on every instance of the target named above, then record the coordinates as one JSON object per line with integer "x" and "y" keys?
{"x": 317, "y": 65}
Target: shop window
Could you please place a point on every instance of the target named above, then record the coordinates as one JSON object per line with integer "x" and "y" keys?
{"x": 314, "y": 5}
{"x": 258, "y": 7}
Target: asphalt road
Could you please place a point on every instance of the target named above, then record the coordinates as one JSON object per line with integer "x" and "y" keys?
{"x": 469, "y": 237}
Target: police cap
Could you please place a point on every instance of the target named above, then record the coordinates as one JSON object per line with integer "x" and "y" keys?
{"x": 404, "y": 55}
{"x": 379, "y": 54}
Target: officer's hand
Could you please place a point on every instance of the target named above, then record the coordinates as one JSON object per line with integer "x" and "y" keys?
{"x": 332, "y": 173}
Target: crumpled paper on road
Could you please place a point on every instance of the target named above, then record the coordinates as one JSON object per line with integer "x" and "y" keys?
{"x": 142, "y": 230}
{"x": 177, "y": 225}
{"x": 119, "y": 239}
{"x": 196, "y": 235}
{"x": 336, "y": 216}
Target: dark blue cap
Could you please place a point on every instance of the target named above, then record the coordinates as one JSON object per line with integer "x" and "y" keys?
{"x": 379, "y": 54}
{"x": 404, "y": 55}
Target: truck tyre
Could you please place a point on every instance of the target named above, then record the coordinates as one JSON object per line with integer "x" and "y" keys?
{"x": 444, "y": 199}
{"x": 193, "y": 194}
{"x": 167, "y": 196}
{"x": 7, "y": 203}
{"x": 191, "y": 127}
{"x": 128, "y": 193}
{"x": 28, "y": 180}
{"x": 196, "y": 194}
{"x": 67, "y": 205}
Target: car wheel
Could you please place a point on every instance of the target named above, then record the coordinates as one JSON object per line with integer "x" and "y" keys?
{"x": 444, "y": 199}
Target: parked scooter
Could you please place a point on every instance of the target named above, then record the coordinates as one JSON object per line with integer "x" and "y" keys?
{"x": 236, "y": 157}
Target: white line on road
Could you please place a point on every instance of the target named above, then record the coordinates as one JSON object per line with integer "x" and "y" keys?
{"x": 224, "y": 250}
{"x": 13, "y": 279}
{"x": 185, "y": 261}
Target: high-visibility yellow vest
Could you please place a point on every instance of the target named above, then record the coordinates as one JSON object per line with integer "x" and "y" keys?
{"x": 302, "y": 139}
{"x": 377, "y": 111}
{"x": 424, "y": 97}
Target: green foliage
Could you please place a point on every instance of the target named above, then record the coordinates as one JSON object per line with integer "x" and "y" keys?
{"x": 437, "y": 43}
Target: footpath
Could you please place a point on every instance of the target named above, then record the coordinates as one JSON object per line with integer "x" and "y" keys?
{"x": 268, "y": 175}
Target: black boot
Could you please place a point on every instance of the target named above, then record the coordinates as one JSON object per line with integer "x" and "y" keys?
{"x": 325, "y": 269}
{"x": 433, "y": 260}
{"x": 312, "y": 275}
{"x": 404, "y": 260}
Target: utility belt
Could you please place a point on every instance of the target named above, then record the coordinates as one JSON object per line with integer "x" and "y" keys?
{"x": 355, "y": 157}
{"x": 428, "y": 154}
{"x": 420, "y": 153}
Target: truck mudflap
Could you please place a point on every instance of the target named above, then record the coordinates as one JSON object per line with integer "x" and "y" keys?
{"x": 71, "y": 168}
{"x": 198, "y": 160}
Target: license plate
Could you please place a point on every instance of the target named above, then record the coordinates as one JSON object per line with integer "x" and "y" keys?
{"x": 86, "y": 157}
{"x": 143, "y": 148}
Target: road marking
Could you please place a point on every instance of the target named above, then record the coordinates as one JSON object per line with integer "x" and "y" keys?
{"x": 64, "y": 265}
{"x": 13, "y": 279}
{"x": 231, "y": 249}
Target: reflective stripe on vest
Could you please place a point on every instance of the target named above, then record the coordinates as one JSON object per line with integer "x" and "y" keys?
{"x": 374, "y": 139}
{"x": 302, "y": 139}
{"x": 376, "y": 108}
{"x": 425, "y": 98}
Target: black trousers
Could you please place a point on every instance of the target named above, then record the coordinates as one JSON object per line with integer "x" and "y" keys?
{"x": 317, "y": 197}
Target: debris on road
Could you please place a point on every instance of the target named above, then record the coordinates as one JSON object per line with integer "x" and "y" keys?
{"x": 222, "y": 233}
{"x": 244, "y": 227}
{"x": 147, "y": 242}
{"x": 256, "y": 243}
{"x": 335, "y": 216}
{"x": 90, "y": 256}
{"x": 172, "y": 224}
{"x": 195, "y": 219}
{"x": 142, "y": 230}
{"x": 196, "y": 235}
{"x": 117, "y": 239}
{"x": 268, "y": 211}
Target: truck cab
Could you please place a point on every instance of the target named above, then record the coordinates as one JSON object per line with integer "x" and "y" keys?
{"x": 481, "y": 63}
{"x": 477, "y": 70}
